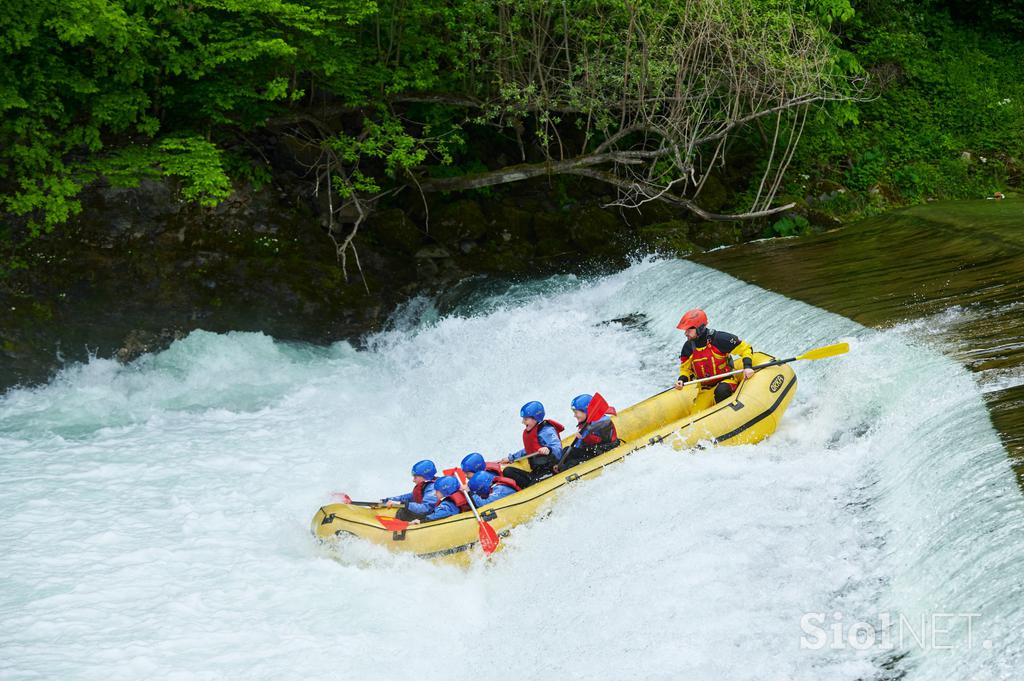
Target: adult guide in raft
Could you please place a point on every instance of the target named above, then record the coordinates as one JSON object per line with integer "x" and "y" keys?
{"x": 706, "y": 354}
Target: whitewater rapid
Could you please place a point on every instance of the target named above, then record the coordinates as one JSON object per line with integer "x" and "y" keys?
{"x": 155, "y": 516}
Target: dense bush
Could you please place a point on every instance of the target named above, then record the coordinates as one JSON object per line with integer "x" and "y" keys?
{"x": 118, "y": 90}
{"x": 946, "y": 119}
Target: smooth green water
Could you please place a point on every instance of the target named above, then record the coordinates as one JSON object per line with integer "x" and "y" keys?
{"x": 956, "y": 268}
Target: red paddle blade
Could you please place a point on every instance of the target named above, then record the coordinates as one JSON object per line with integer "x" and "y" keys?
{"x": 449, "y": 471}
{"x": 488, "y": 538}
{"x": 459, "y": 473}
{"x": 342, "y": 497}
{"x": 393, "y": 524}
{"x": 598, "y": 408}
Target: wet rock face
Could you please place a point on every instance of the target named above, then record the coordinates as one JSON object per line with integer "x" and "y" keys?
{"x": 140, "y": 341}
{"x": 139, "y": 212}
{"x": 139, "y": 269}
{"x": 458, "y": 221}
{"x": 671, "y": 237}
{"x": 598, "y": 232}
{"x": 713, "y": 234}
{"x": 396, "y": 231}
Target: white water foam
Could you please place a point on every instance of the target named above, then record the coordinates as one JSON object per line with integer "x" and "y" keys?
{"x": 156, "y": 516}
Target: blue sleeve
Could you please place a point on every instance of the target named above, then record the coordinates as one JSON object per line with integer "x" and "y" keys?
{"x": 548, "y": 437}
{"x": 516, "y": 455}
{"x": 446, "y": 509}
{"x": 480, "y": 501}
{"x": 401, "y": 497}
{"x": 428, "y": 505}
{"x": 500, "y": 492}
{"x": 497, "y": 492}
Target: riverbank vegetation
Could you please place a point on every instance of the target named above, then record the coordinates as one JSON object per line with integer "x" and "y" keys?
{"x": 839, "y": 108}
{"x": 947, "y": 118}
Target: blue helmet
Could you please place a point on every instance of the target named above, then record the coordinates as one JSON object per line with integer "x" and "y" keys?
{"x": 473, "y": 463}
{"x": 535, "y": 410}
{"x": 481, "y": 483}
{"x": 426, "y": 468}
{"x": 581, "y": 402}
{"x": 447, "y": 485}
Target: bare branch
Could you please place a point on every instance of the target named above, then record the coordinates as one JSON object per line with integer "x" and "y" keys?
{"x": 642, "y": 96}
{"x": 679, "y": 200}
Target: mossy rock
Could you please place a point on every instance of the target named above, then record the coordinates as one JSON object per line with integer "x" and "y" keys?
{"x": 820, "y": 218}
{"x": 433, "y": 252}
{"x": 396, "y": 232}
{"x": 656, "y": 212}
{"x": 510, "y": 222}
{"x": 141, "y": 341}
{"x": 507, "y": 260}
{"x": 597, "y": 232}
{"x": 8, "y": 347}
{"x": 455, "y": 222}
{"x": 669, "y": 237}
{"x": 824, "y": 191}
{"x": 552, "y": 229}
{"x": 713, "y": 195}
{"x": 715, "y": 234}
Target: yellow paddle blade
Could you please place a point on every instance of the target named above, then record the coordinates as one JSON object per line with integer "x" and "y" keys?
{"x": 827, "y": 351}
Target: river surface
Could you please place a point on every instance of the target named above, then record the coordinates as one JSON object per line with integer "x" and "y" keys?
{"x": 955, "y": 269}
{"x": 156, "y": 515}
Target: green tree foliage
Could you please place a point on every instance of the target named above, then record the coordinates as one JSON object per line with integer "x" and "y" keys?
{"x": 121, "y": 89}
{"x": 947, "y": 116}
{"x": 399, "y": 91}
{"x": 643, "y": 96}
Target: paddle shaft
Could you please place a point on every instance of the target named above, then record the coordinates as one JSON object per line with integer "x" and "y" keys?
{"x": 472, "y": 506}
{"x": 816, "y": 353}
{"x": 469, "y": 495}
{"x": 346, "y": 499}
{"x": 773, "y": 363}
{"x": 485, "y": 528}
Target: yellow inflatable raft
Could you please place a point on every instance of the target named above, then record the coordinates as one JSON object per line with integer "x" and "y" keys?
{"x": 682, "y": 417}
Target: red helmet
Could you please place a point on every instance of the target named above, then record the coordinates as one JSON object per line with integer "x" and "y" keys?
{"x": 693, "y": 319}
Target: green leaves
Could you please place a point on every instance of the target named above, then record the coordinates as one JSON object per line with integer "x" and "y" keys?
{"x": 127, "y": 89}
{"x": 387, "y": 146}
{"x": 790, "y": 225}
{"x": 947, "y": 118}
{"x": 197, "y": 163}
{"x": 88, "y": 85}
{"x": 831, "y": 11}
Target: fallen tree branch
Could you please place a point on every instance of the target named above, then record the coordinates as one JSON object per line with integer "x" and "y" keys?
{"x": 668, "y": 197}
{"x": 523, "y": 171}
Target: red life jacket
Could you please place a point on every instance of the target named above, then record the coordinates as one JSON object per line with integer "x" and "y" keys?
{"x": 457, "y": 498}
{"x": 508, "y": 482}
{"x": 531, "y": 441}
{"x": 493, "y": 467}
{"x": 417, "y": 491}
{"x": 709, "y": 361}
{"x": 600, "y": 433}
